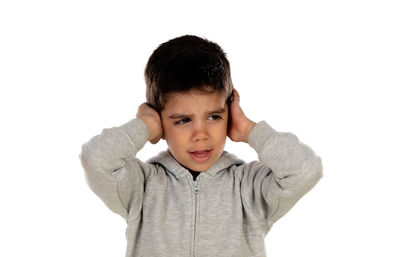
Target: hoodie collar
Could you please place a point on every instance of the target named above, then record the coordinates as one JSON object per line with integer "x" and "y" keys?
{"x": 171, "y": 164}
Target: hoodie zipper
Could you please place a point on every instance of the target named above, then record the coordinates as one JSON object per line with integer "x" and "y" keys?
{"x": 196, "y": 192}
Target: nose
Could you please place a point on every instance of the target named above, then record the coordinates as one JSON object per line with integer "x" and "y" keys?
{"x": 200, "y": 132}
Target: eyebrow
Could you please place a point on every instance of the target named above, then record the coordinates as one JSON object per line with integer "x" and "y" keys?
{"x": 180, "y": 116}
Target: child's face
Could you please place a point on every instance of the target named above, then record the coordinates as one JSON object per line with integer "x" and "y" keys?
{"x": 195, "y": 128}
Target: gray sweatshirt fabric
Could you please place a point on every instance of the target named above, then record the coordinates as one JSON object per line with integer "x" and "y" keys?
{"x": 226, "y": 212}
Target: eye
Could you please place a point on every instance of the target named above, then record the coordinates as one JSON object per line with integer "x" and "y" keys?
{"x": 214, "y": 117}
{"x": 182, "y": 121}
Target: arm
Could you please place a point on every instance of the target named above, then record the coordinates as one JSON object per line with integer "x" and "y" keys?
{"x": 111, "y": 169}
{"x": 287, "y": 170}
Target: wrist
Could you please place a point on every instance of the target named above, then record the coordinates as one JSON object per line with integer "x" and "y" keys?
{"x": 148, "y": 124}
{"x": 249, "y": 127}
{"x": 154, "y": 128}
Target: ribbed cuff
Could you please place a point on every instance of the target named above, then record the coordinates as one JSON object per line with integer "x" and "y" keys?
{"x": 137, "y": 131}
{"x": 262, "y": 130}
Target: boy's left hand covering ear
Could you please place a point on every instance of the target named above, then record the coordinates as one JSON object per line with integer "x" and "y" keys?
{"x": 240, "y": 126}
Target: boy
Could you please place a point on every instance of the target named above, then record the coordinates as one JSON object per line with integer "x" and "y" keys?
{"x": 195, "y": 199}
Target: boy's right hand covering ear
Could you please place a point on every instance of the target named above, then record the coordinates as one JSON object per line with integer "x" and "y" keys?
{"x": 152, "y": 120}
{"x": 240, "y": 126}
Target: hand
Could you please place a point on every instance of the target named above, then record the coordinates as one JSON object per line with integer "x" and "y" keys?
{"x": 240, "y": 125}
{"x": 152, "y": 120}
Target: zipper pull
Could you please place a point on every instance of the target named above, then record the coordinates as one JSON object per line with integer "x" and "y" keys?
{"x": 196, "y": 187}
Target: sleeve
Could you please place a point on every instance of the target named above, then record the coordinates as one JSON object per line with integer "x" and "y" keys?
{"x": 287, "y": 170}
{"x": 111, "y": 169}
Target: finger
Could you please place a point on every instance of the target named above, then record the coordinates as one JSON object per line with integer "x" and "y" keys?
{"x": 236, "y": 96}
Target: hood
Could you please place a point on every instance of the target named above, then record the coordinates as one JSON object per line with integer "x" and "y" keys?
{"x": 172, "y": 165}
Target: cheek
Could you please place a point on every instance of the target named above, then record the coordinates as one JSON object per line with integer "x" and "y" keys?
{"x": 168, "y": 129}
{"x": 221, "y": 132}
{"x": 173, "y": 136}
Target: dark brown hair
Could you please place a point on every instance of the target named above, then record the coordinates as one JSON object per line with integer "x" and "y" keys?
{"x": 186, "y": 63}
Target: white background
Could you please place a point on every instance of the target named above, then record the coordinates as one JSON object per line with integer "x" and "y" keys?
{"x": 326, "y": 71}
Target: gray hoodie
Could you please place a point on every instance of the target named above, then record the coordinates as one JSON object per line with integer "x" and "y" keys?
{"x": 226, "y": 212}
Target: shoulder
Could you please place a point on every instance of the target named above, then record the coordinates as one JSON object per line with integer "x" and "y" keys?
{"x": 147, "y": 169}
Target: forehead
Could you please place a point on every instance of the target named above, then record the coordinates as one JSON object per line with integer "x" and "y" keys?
{"x": 193, "y": 100}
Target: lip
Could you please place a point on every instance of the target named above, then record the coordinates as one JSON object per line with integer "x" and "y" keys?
{"x": 201, "y": 156}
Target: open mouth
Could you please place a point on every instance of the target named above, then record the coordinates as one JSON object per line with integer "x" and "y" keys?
{"x": 200, "y": 156}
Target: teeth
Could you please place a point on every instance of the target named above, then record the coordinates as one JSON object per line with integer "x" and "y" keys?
{"x": 203, "y": 154}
